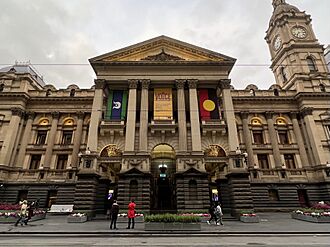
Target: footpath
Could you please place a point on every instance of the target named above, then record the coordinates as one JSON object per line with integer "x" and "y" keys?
{"x": 270, "y": 224}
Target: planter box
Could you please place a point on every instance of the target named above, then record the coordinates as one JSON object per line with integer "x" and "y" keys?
{"x": 75, "y": 219}
{"x": 173, "y": 226}
{"x": 122, "y": 219}
{"x": 249, "y": 219}
{"x": 309, "y": 218}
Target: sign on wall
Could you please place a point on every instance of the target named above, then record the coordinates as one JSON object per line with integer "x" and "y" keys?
{"x": 163, "y": 108}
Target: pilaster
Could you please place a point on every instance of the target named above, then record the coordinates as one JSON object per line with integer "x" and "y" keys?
{"x": 51, "y": 140}
{"x": 274, "y": 139}
{"x": 182, "y": 123}
{"x": 247, "y": 138}
{"x": 143, "y": 137}
{"x": 131, "y": 116}
{"x": 77, "y": 139}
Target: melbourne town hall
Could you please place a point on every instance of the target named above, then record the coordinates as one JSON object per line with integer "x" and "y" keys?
{"x": 163, "y": 125}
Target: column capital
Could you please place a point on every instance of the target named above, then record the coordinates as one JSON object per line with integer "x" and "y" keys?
{"x": 192, "y": 84}
{"x": 99, "y": 83}
{"x": 269, "y": 114}
{"x": 145, "y": 83}
{"x": 30, "y": 115}
{"x": 180, "y": 83}
{"x": 132, "y": 84}
{"x": 80, "y": 114}
{"x": 225, "y": 84}
{"x": 307, "y": 111}
{"x": 245, "y": 114}
{"x": 55, "y": 114}
{"x": 15, "y": 111}
{"x": 294, "y": 114}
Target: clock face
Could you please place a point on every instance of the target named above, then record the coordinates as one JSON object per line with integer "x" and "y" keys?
{"x": 277, "y": 42}
{"x": 299, "y": 32}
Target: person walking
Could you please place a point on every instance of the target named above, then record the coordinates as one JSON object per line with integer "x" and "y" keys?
{"x": 212, "y": 214}
{"x": 22, "y": 213}
{"x": 114, "y": 214}
{"x": 131, "y": 214}
{"x": 218, "y": 214}
{"x": 30, "y": 210}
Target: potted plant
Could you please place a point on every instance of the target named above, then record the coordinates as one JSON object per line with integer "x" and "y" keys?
{"x": 249, "y": 216}
{"x": 172, "y": 222}
{"x": 318, "y": 213}
{"x": 77, "y": 218}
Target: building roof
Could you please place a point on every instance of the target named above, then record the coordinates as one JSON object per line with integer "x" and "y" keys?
{"x": 24, "y": 69}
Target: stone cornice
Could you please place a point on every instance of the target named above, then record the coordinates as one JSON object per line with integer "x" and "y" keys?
{"x": 263, "y": 98}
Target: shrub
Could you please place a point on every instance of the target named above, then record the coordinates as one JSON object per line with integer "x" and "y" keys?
{"x": 7, "y": 206}
{"x": 321, "y": 205}
{"x": 168, "y": 218}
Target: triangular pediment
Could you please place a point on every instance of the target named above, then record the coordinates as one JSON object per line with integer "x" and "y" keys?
{"x": 162, "y": 49}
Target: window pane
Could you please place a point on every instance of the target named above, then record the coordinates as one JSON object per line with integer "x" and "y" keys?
{"x": 263, "y": 161}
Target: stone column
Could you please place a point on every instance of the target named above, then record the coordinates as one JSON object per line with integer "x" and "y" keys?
{"x": 274, "y": 139}
{"x": 313, "y": 136}
{"x": 25, "y": 139}
{"x": 131, "y": 116}
{"x": 194, "y": 117}
{"x": 247, "y": 138}
{"x": 51, "y": 140}
{"x": 95, "y": 116}
{"x": 77, "y": 140}
{"x": 229, "y": 115}
{"x": 299, "y": 139}
{"x": 11, "y": 135}
{"x": 182, "y": 123}
{"x": 143, "y": 141}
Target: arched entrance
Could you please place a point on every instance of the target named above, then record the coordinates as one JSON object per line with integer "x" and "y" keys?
{"x": 162, "y": 169}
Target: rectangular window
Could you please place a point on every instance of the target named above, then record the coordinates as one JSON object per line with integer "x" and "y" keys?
{"x": 289, "y": 161}
{"x": 41, "y": 137}
{"x": 257, "y": 137}
{"x": 283, "y": 136}
{"x": 62, "y": 160}
{"x": 67, "y": 137}
{"x": 35, "y": 161}
{"x": 263, "y": 161}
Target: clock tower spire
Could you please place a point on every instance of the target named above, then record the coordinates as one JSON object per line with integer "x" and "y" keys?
{"x": 297, "y": 57}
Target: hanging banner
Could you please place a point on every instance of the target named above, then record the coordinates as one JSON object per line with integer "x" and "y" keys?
{"x": 116, "y": 105}
{"x": 163, "y": 109}
{"x": 208, "y": 104}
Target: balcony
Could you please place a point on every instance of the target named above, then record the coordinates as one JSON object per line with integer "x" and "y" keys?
{"x": 163, "y": 126}
{"x": 111, "y": 126}
{"x": 213, "y": 126}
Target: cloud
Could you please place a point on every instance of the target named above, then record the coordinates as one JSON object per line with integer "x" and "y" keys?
{"x": 71, "y": 32}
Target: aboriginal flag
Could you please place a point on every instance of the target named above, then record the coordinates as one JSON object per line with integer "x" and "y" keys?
{"x": 208, "y": 104}
{"x": 116, "y": 105}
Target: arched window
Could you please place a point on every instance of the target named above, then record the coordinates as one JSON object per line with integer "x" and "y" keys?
{"x": 72, "y": 92}
{"x": 276, "y": 92}
{"x": 48, "y": 92}
{"x": 311, "y": 64}
{"x": 283, "y": 74}
{"x": 133, "y": 189}
{"x": 192, "y": 189}
{"x": 252, "y": 92}
{"x": 322, "y": 88}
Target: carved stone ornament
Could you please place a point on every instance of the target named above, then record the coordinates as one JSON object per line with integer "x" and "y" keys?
{"x": 212, "y": 151}
{"x": 225, "y": 84}
{"x": 17, "y": 111}
{"x": 55, "y": 114}
{"x": 80, "y": 114}
{"x": 162, "y": 57}
{"x": 113, "y": 151}
{"x": 30, "y": 115}
{"x": 307, "y": 111}
{"x": 192, "y": 84}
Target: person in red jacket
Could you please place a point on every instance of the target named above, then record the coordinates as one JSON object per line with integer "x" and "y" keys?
{"x": 131, "y": 214}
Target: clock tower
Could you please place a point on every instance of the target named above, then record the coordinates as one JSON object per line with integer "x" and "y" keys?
{"x": 298, "y": 61}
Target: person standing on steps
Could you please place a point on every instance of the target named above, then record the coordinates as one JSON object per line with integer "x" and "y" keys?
{"x": 114, "y": 214}
{"x": 131, "y": 214}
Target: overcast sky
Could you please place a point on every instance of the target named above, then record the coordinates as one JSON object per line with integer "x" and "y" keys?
{"x": 72, "y": 31}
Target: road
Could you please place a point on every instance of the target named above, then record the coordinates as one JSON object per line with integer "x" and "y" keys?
{"x": 202, "y": 241}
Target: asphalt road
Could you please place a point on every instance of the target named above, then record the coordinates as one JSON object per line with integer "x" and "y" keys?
{"x": 230, "y": 241}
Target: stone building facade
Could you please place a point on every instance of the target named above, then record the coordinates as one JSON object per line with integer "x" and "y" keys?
{"x": 163, "y": 125}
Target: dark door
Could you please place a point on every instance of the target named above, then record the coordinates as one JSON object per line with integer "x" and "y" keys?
{"x": 303, "y": 198}
{"x": 51, "y": 198}
{"x": 164, "y": 194}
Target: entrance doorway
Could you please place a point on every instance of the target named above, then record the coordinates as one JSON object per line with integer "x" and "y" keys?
{"x": 303, "y": 198}
{"x": 162, "y": 170}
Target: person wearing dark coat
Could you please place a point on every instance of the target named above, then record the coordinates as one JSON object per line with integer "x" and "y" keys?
{"x": 114, "y": 214}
